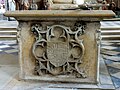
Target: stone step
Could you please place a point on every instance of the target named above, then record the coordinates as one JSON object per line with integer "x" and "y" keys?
{"x": 109, "y": 52}
{"x": 110, "y": 28}
{"x": 7, "y": 36}
{"x": 8, "y": 28}
{"x": 110, "y": 37}
{"x": 110, "y": 32}
{"x": 8, "y": 39}
{"x": 109, "y": 48}
{"x": 112, "y": 44}
{"x": 110, "y": 41}
{"x": 8, "y": 32}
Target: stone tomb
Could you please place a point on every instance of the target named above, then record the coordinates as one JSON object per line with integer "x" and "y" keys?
{"x": 60, "y": 46}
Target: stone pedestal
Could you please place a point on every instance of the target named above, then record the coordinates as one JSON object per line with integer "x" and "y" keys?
{"x": 60, "y": 46}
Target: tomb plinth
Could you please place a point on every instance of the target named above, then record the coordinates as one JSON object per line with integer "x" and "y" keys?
{"x": 60, "y": 46}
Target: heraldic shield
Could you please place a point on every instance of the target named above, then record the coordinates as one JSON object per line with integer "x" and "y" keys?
{"x": 58, "y": 51}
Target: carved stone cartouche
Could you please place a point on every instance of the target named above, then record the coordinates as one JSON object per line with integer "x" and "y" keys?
{"x": 58, "y": 50}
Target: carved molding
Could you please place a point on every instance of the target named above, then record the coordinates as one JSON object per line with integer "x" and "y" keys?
{"x": 58, "y": 50}
{"x": 98, "y": 36}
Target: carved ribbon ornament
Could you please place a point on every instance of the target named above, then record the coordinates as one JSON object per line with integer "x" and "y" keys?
{"x": 58, "y": 50}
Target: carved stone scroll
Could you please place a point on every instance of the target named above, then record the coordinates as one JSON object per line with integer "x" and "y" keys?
{"x": 58, "y": 50}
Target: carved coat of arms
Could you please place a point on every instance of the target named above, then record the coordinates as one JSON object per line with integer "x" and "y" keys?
{"x": 58, "y": 50}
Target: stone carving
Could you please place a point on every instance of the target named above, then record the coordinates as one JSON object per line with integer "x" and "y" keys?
{"x": 98, "y": 37}
{"x": 58, "y": 50}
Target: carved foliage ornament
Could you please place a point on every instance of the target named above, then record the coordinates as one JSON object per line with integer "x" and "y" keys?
{"x": 58, "y": 50}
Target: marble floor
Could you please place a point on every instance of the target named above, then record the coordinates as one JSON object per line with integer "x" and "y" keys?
{"x": 110, "y": 51}
{"x": 111, "y": 54}
{"x": 9, "y": 67}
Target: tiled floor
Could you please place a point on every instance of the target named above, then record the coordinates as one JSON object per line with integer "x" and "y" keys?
{"x": 111, "y": 55}
{"x": 9, "y": 47}
{"x": 110, "y": 52}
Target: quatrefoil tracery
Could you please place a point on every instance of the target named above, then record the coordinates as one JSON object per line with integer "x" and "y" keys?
{"x": 58, "y": 53}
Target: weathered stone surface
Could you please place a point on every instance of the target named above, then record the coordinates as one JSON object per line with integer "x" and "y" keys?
{"x": 63, "y": 1}
{"x": 81, "y": 64}
{"x": 60, "y": 46}
{"x": 88, "y": 14}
